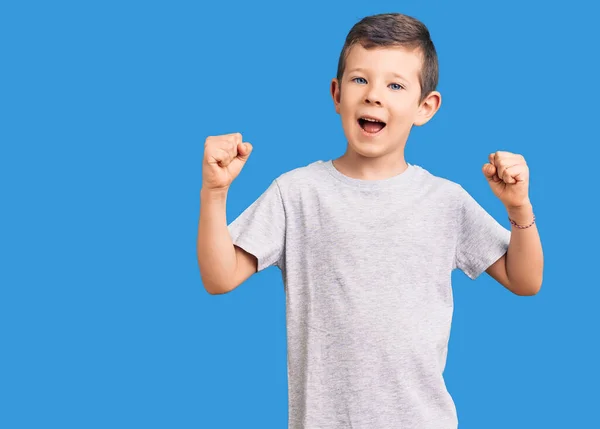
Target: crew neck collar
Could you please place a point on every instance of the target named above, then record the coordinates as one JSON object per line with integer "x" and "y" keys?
{"x": 399, "y": 179}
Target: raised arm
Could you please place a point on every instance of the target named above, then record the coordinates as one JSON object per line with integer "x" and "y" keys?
{"x": 223, "y": 266}
{"x": 521, "y": 268}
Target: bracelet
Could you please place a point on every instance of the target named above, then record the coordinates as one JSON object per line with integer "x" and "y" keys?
{"x": 513, "y": 223}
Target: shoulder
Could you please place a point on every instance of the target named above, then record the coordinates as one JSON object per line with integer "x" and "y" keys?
{"x": 301, "y": 177}
{"x": 454, "y": 196}
{"x": 436, "y": 186}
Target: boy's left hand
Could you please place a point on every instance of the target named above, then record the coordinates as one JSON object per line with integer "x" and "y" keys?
{"x": 508, "y": 176}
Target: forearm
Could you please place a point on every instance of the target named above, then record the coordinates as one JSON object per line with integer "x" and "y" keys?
{"x": 215, "y": 250}
{"x": 524, "y": 259}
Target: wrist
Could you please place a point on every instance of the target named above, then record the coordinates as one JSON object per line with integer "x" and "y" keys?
{"x": 521, "y": 215}
{"x": 214, "y": 194}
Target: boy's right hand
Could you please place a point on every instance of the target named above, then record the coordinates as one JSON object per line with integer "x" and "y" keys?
{"x": 224, "y": 158}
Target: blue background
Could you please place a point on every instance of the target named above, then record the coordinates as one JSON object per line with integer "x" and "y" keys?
{"x": 105, "y": 107}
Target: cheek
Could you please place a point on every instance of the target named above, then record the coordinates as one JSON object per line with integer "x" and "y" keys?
{"x": 346, "y": 110}
{"x": 403, "y": 113}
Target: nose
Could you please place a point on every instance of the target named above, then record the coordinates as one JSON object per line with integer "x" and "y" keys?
{"x": 372, "y": 96}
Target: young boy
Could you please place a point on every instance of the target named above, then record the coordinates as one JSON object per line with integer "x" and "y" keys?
{"x": 367, "y": 243}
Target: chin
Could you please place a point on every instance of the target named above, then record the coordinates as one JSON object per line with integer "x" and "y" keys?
{"x": 367, "y": 149}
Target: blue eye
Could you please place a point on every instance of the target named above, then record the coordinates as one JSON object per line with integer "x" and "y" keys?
{"x": 359, "y": 78}
{"x": 395, "y": 86}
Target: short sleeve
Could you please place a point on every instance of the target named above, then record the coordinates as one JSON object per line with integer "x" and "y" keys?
{"x": 481, "y": 240}
{"x": 260, "y": 229}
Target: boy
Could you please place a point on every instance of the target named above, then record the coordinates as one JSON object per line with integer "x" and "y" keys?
{"x": 367, "y": 242}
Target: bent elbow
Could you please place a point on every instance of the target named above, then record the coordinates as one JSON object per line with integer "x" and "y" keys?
{"x": 529, "y": 290}
{"x": 214, "y": 288}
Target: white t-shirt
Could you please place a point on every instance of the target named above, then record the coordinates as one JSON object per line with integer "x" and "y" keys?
{"x": 366, "y": 267}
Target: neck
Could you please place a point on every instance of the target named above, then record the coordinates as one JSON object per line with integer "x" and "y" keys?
{"x": 361, "y": 167}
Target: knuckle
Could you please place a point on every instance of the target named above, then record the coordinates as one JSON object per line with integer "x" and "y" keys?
{"x": 235, "y": 137}
{"x": 224, "y": 143}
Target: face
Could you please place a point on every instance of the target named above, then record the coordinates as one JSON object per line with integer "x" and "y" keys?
{"x": 378, "y": 99}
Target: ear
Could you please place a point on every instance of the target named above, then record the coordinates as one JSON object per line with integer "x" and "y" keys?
{"x": 335, "y": 94}
{"x": 429, "y": 106}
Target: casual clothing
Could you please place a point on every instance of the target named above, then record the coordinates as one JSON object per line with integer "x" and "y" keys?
{"x": 366, "y": 268}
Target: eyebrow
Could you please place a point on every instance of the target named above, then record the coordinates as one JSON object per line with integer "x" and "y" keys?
{"x": 359, "y": 69}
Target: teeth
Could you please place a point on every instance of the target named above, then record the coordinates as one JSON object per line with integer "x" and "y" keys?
{"x": 370, "y": 120}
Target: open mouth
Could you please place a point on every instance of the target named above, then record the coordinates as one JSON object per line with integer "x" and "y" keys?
{"x": 371, "y": 125}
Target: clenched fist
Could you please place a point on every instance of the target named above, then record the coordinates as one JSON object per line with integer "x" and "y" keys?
{"x": 224, "y": 158}
{"x": 508, "y": 176}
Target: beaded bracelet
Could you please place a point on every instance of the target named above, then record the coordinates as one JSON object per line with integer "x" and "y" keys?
{"x": 513, "y": 223}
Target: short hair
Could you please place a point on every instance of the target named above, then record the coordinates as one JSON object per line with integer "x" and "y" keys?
{"x": 395, "y": 29}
